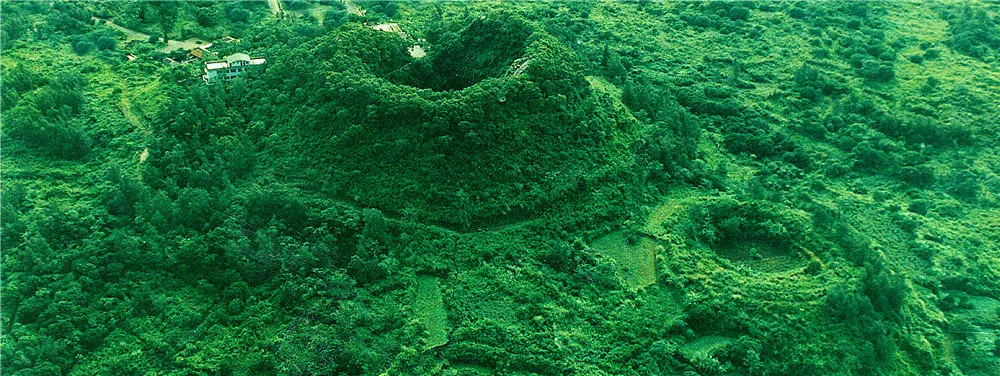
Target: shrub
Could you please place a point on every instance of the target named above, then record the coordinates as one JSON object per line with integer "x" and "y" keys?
{"x": 886, "y": 292}
{"x": 857, "y": 247}
{"x": 965, "y": 185}
{"x": 920, "y": 176}
{"x": 21, "y": 80}
{"x": 106, "y": 43}
{"x": 930, "y": 86}
{"x": 334, "y": 17}
{"x": 814, "y": 267}
{"x": 877, "y": 71}
{"x": 208, "y": 16}
{"x": 888, "y": 56}
{"x": 238, "y": 15}
{"x": 858, "y": 60}
{"x": 923, "y": 251}
{"x": 732, "y": 223}
{"x": 559, "y": 257}
{"x": 752, "y": 134}
{"x": 867, "y": 157}
{"x": 60, "y": 137}
{"x": 974, "y": 32}
{"x": 390, "y": 8}
{"x": 806, "y": 75}
{"x": 847, "y": 304}
{"x": 125, "y": 193}
{"x": 701, "y": 20}
{"x": 296, "y": 4}
{"x": 81, "y": 47}
{"x": 919, "y": 206}
{"x": 739, "y": 13}
{"x": 14, "y": 28}
{"x": 55, "y": 102}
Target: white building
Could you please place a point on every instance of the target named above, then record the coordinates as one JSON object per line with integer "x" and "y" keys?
{"x": 231, "y": 66}
{"x": 416, "y": 50}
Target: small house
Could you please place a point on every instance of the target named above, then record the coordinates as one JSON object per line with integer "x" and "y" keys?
{"x": 201, "y": 51}
{"x": 230, "y": 67}
{"x": 198, "y": 52}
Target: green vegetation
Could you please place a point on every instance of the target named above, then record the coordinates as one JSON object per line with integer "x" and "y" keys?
{"x": 635, "y": 258}
{"x": 581, "y": 188}
{"x": 429, "y": 307}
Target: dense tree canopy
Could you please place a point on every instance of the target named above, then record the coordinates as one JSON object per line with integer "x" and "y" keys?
{"x": 584, "y": 188}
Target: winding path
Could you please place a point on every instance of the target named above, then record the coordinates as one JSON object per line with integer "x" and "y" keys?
{"x": 131, "y": 35}
{"x": 353, "y": 8}
{"x": 275, "y": 7}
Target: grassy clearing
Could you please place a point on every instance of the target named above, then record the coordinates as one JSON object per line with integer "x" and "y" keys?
{"x": 636, "y": 262}
{"x": 429, "y": 306}
{"x": 984, "y": 311}
{"x": 703, "y": 347}
{"x": 664, "y": 217}
{"x": 317, "y": 11}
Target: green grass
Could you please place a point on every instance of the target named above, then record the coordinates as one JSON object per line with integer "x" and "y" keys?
{"x": 704, "y": 347}
{"x": 665, "y": 216}
{"x": 514, "y": 307}
{"x": 636, "y": 262}
{"x": 429, "y": 307}
{"x": 985, "y": 311}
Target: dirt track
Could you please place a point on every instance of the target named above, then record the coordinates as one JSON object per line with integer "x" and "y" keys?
{"x": 131, "y": 35}
{"x": 275, "y": 6}
{"x": 353, "y": 8}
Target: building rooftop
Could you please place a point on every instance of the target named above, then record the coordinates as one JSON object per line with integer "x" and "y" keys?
{"x": 389, "y": 27}
{"x": 417, "y": 51}
{"x": 212, "y": 65}
{"x": 239, "y": 56}
{"x": 229, "y": 60}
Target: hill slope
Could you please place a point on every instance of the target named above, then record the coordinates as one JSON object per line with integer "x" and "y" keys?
{"x": 586, "y": 188}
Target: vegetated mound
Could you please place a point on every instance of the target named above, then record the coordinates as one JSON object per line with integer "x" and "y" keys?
{"x": 470, "y": 51}
{"x": 527, "y": 132}
{"x": 742, "y": 232}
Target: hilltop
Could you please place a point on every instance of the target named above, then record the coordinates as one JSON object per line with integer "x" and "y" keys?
{"x": 585, "y": 188}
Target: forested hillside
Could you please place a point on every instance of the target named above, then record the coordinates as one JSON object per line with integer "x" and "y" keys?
{"x": 501, "y": 188}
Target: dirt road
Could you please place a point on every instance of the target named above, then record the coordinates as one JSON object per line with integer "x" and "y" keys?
{"x": 131, "y": 35}
{"x": 353, "y": 8}
{"x": 275, "y": 7}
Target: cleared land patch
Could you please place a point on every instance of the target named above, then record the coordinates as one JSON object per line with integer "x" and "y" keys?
{"x": 760, "y": 257}
{"x": 429, "y": 307}
{"x": 636, "y": 261}
{"x": 703, "y": 347}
